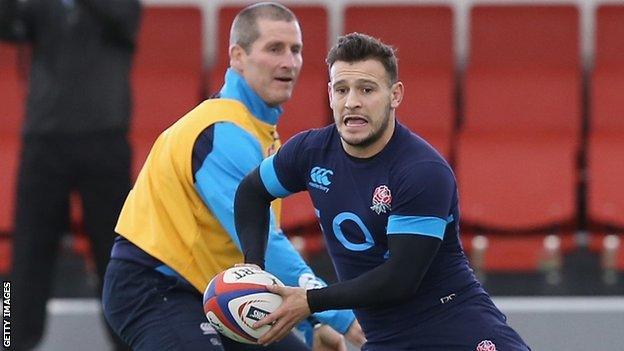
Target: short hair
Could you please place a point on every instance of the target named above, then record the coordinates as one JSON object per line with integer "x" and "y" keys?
{"x": 244, "y": 31}
{"x": 355, "y": 47}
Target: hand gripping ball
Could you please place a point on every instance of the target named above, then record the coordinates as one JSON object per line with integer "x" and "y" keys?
{"x": 237, "y": 298}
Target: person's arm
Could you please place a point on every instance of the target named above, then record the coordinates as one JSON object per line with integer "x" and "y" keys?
{"x": 399, "y": 277}
{"x": 119, "y": 17}
{"x": 415, "y": 251}
{"x": 251, "y": 213}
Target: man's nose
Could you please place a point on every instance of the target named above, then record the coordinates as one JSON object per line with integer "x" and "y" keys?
{"x": 352, "y": 100}
{"x": 290, "y": 60}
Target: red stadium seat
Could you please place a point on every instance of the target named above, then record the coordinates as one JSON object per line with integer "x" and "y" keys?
{"x": 517, "y": 151}
{"x": 12, "y": 103}
{"x": 426, "y": 63}
{"x": 605, "y": 157}
{"x": 597, "y": 245}
{"x": 515, "y": 252}
{"x": 309, "y": 106}
{"x": 224, "y": 19}
{"x": 167, "y": 74}
{"x": 5, "y": 255}
{"x": 518, "y": 148}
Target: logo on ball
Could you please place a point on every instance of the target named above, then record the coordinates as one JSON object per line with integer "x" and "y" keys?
{"x": 256, "y": 314}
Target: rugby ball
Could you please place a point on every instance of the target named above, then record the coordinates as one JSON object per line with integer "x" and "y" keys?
{"x": 237, "y": 298}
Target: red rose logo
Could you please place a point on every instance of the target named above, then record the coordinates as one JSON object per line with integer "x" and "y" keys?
{"x": 382, "y": 199}
{"x": 486, "y": 345}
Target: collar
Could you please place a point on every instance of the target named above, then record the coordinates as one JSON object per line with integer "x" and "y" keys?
{"x": 236, "y": 88}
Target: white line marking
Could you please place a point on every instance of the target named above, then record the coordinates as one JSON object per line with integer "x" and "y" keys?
{"x": 567, "y": 304}
{"x": 74, "y": 306}
{"x": 542, "y": 304}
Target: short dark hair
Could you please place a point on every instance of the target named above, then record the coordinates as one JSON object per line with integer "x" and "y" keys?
{"x": 244, "y": 31}
{"x": 354, "y": 47}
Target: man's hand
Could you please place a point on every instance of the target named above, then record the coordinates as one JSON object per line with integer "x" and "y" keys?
{"x": 293, "y": 310}
{"x": 327, "y": 339}
{"x": 252, "y": 265}
{"x": 355, "y": 335}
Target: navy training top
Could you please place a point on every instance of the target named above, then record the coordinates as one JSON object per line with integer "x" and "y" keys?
{"x": 407, "y": 188}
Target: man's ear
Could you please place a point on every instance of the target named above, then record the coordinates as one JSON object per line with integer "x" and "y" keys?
{"x": 396, "y": 91}
{"x": 237, "y": 57}
{"x": 329, "y": 92}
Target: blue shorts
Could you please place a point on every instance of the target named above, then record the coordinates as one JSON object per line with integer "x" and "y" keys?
{"x": 474, "y": 324}
{"x": 153, "y": 311}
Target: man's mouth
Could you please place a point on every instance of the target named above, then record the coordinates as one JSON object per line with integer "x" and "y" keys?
{"x": 353, "y": 121}
{"x": 284, "y": 79}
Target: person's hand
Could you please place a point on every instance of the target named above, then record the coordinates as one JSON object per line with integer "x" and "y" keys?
{"x": 327, "y": 339}
{"x": 355, "y": 335}
{"x": 252, "y": 265}
{"x": 294, "y": 309}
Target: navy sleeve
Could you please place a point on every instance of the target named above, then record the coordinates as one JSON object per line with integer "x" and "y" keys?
{"x": 398, "y": 278}
{"x": 423, "y": 199}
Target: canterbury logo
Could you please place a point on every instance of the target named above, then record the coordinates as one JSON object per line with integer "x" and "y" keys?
{"x": 321, "y": 175}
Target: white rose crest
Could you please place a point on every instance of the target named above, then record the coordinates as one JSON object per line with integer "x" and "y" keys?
{"x": 382, "y": 199}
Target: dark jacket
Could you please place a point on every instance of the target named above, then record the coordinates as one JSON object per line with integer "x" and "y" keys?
{"x": 81, "y": 59}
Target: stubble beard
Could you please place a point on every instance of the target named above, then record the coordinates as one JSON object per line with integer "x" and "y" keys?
{"x": 373, "y": 136}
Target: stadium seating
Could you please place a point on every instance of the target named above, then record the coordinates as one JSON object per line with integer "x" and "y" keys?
{"x": 518, "y": 149}
{"x": 605, "y": 149}
{"x": 423, "y": 36}
{"x": 167, "y": 74}
{"x": 13, "y": 88}
{"x": 308, "y": 107}
{"x": 520, "y": 137}
{"x": 605, "y": 157}
{"x": 598, "y": 244}
{"x": 515, "y": 253}
{"x": 225, "y": 16}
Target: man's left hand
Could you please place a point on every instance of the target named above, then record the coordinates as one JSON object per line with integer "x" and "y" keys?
{"x": 294, "y": 309}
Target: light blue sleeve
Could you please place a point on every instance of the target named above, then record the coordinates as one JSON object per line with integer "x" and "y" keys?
{"x": 418, "y": 225}
{"x": 234, "y": 154}
{"x": 270, "y": 180}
